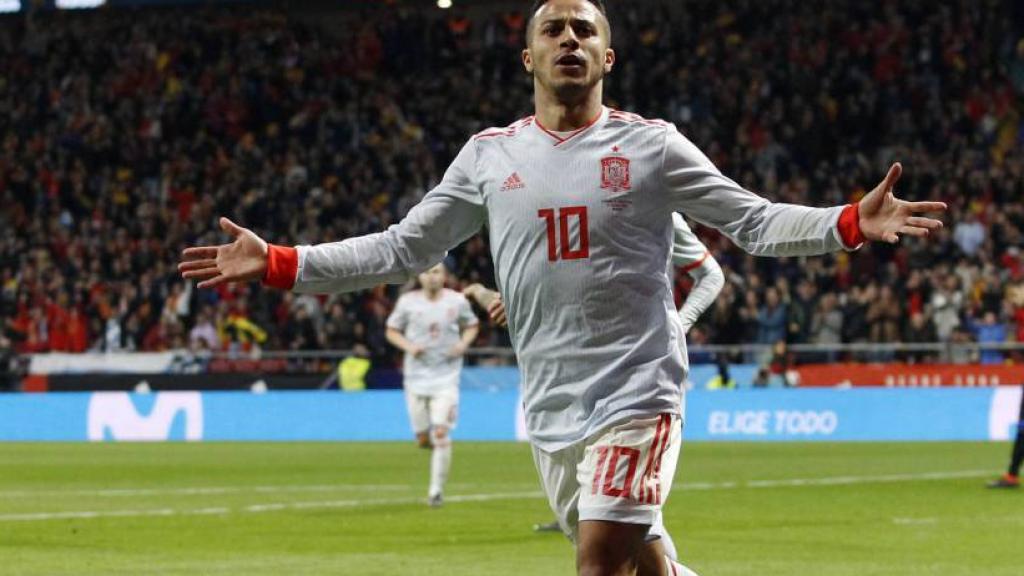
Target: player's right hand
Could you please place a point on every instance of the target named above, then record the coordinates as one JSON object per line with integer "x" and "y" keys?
{"x": 243, "y": 260}
{"x": 496, "y": 310}
{"x": 416, "y": 351}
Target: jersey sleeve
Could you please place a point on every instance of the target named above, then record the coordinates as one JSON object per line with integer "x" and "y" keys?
{"x": 399, "y": 317}
{"x": 696, "y": 187}
{"x": 687, "y": 250}
{"x": 466, "y": 315}
{"x": 447, "y": 216}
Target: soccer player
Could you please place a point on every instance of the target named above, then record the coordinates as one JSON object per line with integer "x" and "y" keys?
{"x": 434, "y": 326}
{"x": 578, "y": 203}
{"x": 1012, "y": 477}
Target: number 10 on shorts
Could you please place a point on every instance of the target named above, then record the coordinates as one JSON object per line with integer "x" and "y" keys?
{"x": 610, "y": 459}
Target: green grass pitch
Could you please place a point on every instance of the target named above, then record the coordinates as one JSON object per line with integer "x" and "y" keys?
{"x": 325, "y": 508}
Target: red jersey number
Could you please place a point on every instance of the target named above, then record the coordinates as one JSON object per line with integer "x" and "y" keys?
{"x": 558, "y": 233}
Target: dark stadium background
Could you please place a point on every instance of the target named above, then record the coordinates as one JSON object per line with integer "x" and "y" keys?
{"x": 126, "y": 131}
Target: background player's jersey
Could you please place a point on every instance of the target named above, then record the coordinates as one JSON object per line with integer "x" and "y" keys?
{"x": 688, "y": 251}
{"x": 436, "y": 326}
{"x": 690, "y": 254}
{"x": 581, "y": 233}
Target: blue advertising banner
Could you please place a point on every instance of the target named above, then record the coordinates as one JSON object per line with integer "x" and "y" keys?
{"x": 736, "y": 415}
{"x": 831, "y": 414}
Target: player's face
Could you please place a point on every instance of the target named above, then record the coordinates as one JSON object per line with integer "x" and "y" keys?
{"x": 568, "y": 49}
{"x": 433, "y": 279}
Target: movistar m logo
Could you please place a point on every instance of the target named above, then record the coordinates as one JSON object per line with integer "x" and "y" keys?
{"x": 120, "y": 416}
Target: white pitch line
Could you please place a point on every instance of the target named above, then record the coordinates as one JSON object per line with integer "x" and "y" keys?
{"x": 914, "y": 521}
{"x": 259, "y": 508}
{"x": 357, "y": 503}
{"x": 837, "y": 480}
{"x": 204, "y": 490}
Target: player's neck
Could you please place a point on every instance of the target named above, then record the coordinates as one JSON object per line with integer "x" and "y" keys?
{"x": 432, "y": 294}
{"x": 561, "y": 116}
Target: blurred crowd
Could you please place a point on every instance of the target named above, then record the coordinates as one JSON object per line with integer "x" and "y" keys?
{"x": 125, "y": 134}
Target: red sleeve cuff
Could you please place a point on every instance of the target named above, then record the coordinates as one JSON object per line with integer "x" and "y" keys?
{"x": 849, "y": 226}
{"x": 282, "y": 267}
{"x": 696, "y": 264}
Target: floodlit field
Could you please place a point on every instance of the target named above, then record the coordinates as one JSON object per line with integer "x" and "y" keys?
{"x": 738, "y": 509}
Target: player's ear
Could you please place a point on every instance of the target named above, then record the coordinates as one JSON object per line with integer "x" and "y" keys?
{"x": 609, "y": 60}
{"x": 527, "y": 60}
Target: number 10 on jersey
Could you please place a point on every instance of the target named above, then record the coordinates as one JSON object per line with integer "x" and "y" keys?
{"x": 559, "y": 242}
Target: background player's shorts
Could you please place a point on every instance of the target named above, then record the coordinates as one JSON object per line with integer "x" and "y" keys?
{"x": 622, "y": 474}
{"x": 435, "y": 409}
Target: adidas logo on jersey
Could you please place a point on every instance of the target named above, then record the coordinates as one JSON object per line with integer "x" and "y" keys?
{"x": 513, "y": 182}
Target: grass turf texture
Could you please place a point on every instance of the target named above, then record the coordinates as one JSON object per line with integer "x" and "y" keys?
{"x": 358, "y": 509}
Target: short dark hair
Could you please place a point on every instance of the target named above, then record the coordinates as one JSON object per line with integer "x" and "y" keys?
{"x": 537, "y": 4}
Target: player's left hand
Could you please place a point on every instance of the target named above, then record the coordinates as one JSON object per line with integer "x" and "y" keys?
{"x": 884, "y": 217}
{"x": 457, "y": 351}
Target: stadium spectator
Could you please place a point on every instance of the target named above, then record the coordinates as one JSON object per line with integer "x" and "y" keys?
{"x": 771, "y": 318}
{"x": 920, "y": 330}
{"x": 989, "y": 331}
{"x": 827, "y": 324}
{"x": 203, "y": 335}
{"x": 8, "y": 378}
{"x": 969, "y": 234}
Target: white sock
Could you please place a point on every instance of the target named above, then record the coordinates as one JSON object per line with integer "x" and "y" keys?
{"x": 440, "y": 464}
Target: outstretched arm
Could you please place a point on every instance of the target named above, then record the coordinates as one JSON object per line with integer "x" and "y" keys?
{"x": 693, "y": 257}
{"x": 448, "y": 215}
{"x": 697, "y": 188}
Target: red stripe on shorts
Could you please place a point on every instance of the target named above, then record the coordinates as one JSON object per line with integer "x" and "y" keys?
{"x": 661, "y": 454}
{"x": 649, "y": 465}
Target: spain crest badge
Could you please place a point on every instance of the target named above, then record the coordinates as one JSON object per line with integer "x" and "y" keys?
{"x": 615, "y": 174}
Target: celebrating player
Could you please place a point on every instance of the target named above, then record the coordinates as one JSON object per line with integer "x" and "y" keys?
{"x": 433, "y": 326}
{"x": 578, "y": 203}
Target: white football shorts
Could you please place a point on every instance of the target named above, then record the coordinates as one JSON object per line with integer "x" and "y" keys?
{"x": 440, "y": 408}
{"x": 621, "y": 474}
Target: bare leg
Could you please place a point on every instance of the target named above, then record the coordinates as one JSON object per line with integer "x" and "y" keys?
{"x": 609, "y": 548}
{"x": 651, "y": 561}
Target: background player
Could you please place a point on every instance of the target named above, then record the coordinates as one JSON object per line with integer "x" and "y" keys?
{"x": 1012, "y": 477}
{"x": 578, "y": 201}
{"x": 434, "y": 326}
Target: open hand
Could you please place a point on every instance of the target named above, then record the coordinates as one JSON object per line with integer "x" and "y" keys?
{"x": 243, "y": 260}
{"x": 883, "y": 216}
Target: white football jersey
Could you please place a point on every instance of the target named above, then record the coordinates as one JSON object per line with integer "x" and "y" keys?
{"x": 436, "y": 325}
{"x": 581, "y": 235}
